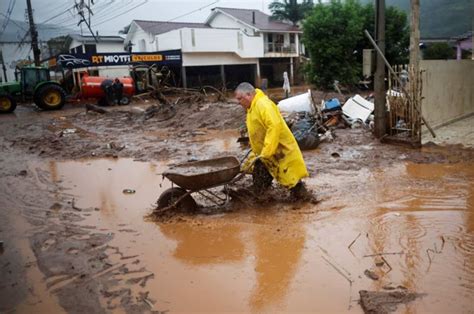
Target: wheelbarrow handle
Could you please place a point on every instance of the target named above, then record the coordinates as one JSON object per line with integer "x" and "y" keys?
{"x": 243, "y": 172}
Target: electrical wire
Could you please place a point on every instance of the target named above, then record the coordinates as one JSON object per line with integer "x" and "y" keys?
{"x": 194, "y": 11}
{"x": 11, "y": 5}
{"x": 59, "y": 14}
{"x": 139, "y": 5}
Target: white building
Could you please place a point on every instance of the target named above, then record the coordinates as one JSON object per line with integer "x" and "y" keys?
{"x": 233, "y": 45}
{"x": 104, "y": 44}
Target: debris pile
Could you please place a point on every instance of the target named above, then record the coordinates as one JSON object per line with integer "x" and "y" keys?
{"x": 312, "y": 124}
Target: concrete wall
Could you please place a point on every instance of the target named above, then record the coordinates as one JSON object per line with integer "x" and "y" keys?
{"x": 447, "y": 90}
{"x": 100, "y": 46}
{"x": 168, "y": 41}
{"x": 221, "y": 40}
{"x": 224, "y": 21}
{"x": 213, "y": 42}
{"x": 205, "y": 59}
{"x": 110, "y": 47}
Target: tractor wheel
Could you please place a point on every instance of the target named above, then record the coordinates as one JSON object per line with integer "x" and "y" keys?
{"x": 170, "y": 196}
{"x": 50, "y": 97}
{"x": 7, "y": 104}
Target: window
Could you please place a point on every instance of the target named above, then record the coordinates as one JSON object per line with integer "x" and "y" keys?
{"x": 77, "y": 49}
{"x": 240, "y": 42}
{"x": 142, "y": 45}
{"x": 91, "y": 49}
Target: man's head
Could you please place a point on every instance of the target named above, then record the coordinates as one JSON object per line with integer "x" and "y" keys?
{"x": 244, "y": 93}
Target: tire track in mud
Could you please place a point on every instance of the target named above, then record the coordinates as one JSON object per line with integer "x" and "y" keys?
{"x": 78, "y": 265}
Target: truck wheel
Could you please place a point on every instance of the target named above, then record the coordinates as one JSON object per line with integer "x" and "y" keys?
{"x": 50, "y": 97}
{"x": 7, "y": 104}
{"x": 170, "y": 196}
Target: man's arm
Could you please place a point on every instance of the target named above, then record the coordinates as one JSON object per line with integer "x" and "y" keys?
{"x": 273, "y": 126}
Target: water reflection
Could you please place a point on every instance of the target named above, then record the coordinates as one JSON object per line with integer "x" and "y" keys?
{"x": 199, "y": 244}
{"x": 277, "y": 256}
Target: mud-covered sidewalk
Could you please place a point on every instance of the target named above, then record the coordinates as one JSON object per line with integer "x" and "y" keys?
{"x": 388, "y": 219}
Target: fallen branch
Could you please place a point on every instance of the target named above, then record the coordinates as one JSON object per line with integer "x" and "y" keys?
{"x": 385, "y": 261}
{"x": 91, "y": 107}
{"x": 349, "y": 247}
{"x": 380, "y": 254}
{"x": 338, "y": 270}
{"x": 149, "y": 303}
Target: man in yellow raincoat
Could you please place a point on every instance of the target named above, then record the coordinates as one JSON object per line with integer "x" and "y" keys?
{"x": 272, "y": 142}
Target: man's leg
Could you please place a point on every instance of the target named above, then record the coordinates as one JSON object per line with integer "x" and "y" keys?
{"x": 262, "y": 179}
{"x": 300, "y": 192}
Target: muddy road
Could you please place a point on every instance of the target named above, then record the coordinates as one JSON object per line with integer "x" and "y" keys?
{"x": 387, "y": 218}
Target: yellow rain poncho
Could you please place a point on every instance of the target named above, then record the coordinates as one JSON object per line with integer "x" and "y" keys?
{"x": 272, "y": 140}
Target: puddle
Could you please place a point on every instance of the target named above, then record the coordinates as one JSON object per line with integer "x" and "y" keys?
{"x": 421, "y": 217}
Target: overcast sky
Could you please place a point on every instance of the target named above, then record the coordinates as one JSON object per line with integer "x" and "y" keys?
{"x": 112, "y": 15}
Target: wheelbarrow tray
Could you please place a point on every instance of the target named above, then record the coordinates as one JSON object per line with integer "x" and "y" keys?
{"x": 204, "y": 174}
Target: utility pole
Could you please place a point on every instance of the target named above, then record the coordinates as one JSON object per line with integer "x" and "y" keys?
{"x": 33, "y": 34}
{"x": 415, "y": 35}
{"x": 3, "y": 66}
{"x": 379, "y": 79}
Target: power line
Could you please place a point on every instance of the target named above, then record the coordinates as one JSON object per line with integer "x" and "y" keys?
{"x": 11, "y": 5}
{"x": 139, "y": 5}
{"x": 59, "y": 14}
{"x": 13, "y": 21}
{"x": 189, "y": 13}
{"x": 98, "y": 16}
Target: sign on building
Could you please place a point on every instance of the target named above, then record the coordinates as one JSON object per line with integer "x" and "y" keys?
{"x": 81, "y": 60}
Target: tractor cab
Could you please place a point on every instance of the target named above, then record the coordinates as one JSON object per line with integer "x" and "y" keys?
{"x": 30, "y": 77}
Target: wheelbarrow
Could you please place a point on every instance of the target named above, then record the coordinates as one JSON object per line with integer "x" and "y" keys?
{"x": 199, "y": 177}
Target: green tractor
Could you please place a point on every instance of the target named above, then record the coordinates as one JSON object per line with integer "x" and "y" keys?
{"x": 34, "y": 84}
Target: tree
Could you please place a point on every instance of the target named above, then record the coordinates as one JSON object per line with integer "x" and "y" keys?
{"x": 125, "y": 29}
{"x": 397, "y": 33}
{"x": 334, "y": 37}
{"x": 439, "y": 51}
{"x": 58, "y": 45}
{"x": 331, "y": 33}
{"x": 290, "y": 10}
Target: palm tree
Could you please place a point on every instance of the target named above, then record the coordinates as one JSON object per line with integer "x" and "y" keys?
{"x": 290, "y": 10}
{"x": 125, "y": 29}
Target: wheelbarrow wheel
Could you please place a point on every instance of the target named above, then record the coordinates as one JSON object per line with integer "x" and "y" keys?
{"x": 170, "y": 196}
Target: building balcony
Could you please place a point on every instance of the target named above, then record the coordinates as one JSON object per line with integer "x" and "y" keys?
{"x": 279, "y": 48}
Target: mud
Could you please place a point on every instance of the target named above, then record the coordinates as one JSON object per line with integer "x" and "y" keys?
{"x": 73, "y": 241}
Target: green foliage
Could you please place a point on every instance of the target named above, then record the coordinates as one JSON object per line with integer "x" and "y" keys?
{"x": 290, "y": 10}
{"x": 397, "y": 34}
{"x": 334, "y": 37}
{"x": 439, "y": 51}
{"x": 331, "y": 34}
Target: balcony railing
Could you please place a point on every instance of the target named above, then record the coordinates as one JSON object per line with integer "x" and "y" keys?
{"x": 280, "y": 48}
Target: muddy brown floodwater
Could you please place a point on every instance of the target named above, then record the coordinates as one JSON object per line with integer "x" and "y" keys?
{"x": 80, "y": 243}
